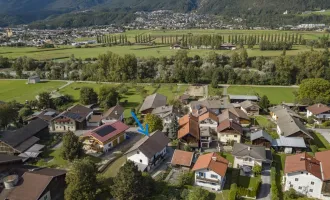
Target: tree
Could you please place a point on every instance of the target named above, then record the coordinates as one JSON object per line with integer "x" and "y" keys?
{"x": 257, "y": 169}
{"x": 8, "y": 114}
{"x": 314, "y": 90}
{"x": 154, "y": 122}
{"x": 173, "y": 128}
{"x": 81, "y": 180}
{"x": 186, "y": 178}
{"x": 243, "y": 57}
{"x": 233, "y": 192}
{"x": 235, "y": 59}
{"x": 198, "y": 193}
{"x": 72, "y": 147}
{"x": 45, "y": 101}
{"x": 88, "y": 96}
{"x": 108, "y": 97}
{"x": 24, "y": 112}
{"x": 129, "y": 184}
{"x": 264, "y": 102}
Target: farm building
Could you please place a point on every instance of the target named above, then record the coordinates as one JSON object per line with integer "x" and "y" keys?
{"x": 33, "y": 79}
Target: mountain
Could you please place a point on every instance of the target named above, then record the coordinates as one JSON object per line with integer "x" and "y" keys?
{"x": 26, "y": 11}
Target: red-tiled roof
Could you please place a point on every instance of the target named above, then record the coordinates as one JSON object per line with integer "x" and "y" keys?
{"x": 324, "y": 158}
{"x": 228, "y": 124}
{"x": 318, "y": 108}
{"x": 183, "y": 158}
{"x": 212, "y": 161}
{"x": 303, "y": 162}
{"x": 188, "y": 124}
{"x": 115, "y": 128}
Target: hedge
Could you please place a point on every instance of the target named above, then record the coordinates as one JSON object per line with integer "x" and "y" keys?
{"x": 232, "y": 192}
{"x": 247, "y": 192}
{"x": 274, "y": 188}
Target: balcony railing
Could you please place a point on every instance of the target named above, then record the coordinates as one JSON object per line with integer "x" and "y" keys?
{"x": 208, "y": 180}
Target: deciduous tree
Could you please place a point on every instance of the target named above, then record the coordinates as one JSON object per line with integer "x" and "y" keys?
{"x": 72, "y": 147}
{"x": 315, "y": 90}
{"x": 154, "y": 122}
{"x": 88, "y": 96}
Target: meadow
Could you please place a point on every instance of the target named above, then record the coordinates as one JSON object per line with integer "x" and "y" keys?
{"x": 275, "y": 95}
{"x": 20, "y": 91}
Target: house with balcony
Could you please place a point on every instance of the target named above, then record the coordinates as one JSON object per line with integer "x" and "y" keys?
{"x": 247, "y": 156}
{"x": 319, "y": 111}
{"x": 149, "y": 151}
{"x": 210, "y": 171}
{"x": 228, "y": 131}
{"x": 289, "y": 126}
{"x": 251, "y": 108}
{"x": 166, "y": 113}
{"x": 189, "y": 132}
{"x": 213, "y": 105}
{"x": 206, "y": 118}
{"x": 308, "y": 175}
{"x": 105, "y": 137}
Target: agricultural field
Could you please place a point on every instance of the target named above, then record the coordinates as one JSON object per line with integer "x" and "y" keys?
{"x": 275, "y": 94}
{"x": 132, "y": 98}
{"x": 20, "y": 91}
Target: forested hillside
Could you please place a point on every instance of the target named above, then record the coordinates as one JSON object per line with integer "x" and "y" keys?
{"x": 259, "y": 11}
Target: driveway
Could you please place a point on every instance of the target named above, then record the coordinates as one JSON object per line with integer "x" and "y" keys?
{"x": 324, "y": 132}
{"x": 264, "y": 192}
{"x": 164, "y": 164}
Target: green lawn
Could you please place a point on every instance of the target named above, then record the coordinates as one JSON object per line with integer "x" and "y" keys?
{"x": 228, "y": 156}
{"x": 114, "y": 167}
{"x": 320, "y": 141}
{"x": 247, "y": 182}
{"x": 275, "y": 95}
{"x": 264, "y": 122}
{"x": 20, "y": 91}
{"x": 215, "y": 91}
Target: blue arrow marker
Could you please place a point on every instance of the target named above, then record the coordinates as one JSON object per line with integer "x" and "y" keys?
{"x": 141, "y": 129}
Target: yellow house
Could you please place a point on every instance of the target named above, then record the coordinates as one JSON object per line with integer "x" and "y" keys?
{"x": 229, "y": 130}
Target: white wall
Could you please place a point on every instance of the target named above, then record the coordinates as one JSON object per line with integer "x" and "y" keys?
{"x": 224, "y": 138}
{"x": 207, "y": 175}
{"x": 325, "y": 116}
{"x": 304, "y": 181}
{"x": 138, "y": 157}
{"x": 246, "y": 161}
{"x": 65, "y": 126}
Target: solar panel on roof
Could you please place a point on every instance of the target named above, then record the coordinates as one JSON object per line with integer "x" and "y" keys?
{"x": 105, "y": 130}
{"x": 50, "y": 113}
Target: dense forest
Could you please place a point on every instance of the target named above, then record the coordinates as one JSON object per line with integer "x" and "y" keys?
{"x": 56, "y": 13}
{"x": 238, "y": 68}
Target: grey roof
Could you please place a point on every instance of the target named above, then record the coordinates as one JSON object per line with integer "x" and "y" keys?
{"x": 153, "y": 101}
{"x": 294, "y": 104}
{"x": 27, "y": 144}
{"x": 289, "y": 142}
{"x": 4, "y": 158}
{"x": 291, "y": 125}
{"x": 248, "y": 103}
{"x": 260, "y": 134}
{"x": 19, "y": 136}
{"x": 246, "y": 97}
{"x": 211, "y": 104}
{"x": 256, "y": 152}
{"x": 276, "y": 108}
{"x": 163, "y": 111}
{"x": 83, "y": 111}
{"x": 114, "y": 112}
{"x": 151, "y": 145}
{"x": 284, "y": 112}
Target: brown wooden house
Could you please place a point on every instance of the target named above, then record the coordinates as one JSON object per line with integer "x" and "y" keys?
{"x": 261, "y": 138}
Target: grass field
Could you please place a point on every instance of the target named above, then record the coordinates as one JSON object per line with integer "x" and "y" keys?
{"x": 20, "y": 91}
{"x": 114, "y": 167}
{"x": 275, "y": 95}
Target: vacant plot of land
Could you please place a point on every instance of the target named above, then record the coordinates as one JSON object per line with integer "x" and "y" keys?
{"x": 275, "y": 94}
{"x": 20, "y": 91}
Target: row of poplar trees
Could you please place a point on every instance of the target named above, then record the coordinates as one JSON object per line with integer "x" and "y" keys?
{"x": 112, "y": 39}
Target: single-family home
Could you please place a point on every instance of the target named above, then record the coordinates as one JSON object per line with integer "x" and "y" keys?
{"x": 40, "y": 183}
{"x": 188, "y": 132}
{"x": 75, "y": 118}
{"x": 19, "y": 141}
{"x": 114, "y": 113}
{"x": 46, "y": 115}
{"x": 288, "y": 126}
{"x": 228, "y": 131}
{"x": 94, "y": 120}
{"x": 151, "y": 102}
{"x": 247, "y": 156}
{"x": 182, "y": 158}
{"x": 320, "y": 111}
{"x": 206, "y": 118}
{"x": 214, "y": 106}
{"x": 289, "y": 145}
{"x": 210, "y": 171}
{"x": 261, "y": 138}
{"x": 105, "y": 137}
{"x": 308, "y": 175}
{"x": 241, "y": 98}
{"x": 236, "y": 115}
{"x": 148, "y": 151}
{"x": 166, "y": 113}
{"x": 33, "y": 79}
{"x": 251, "y": 108}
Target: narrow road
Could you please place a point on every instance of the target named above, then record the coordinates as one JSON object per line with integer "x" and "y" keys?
{"x": 264, "y": 191}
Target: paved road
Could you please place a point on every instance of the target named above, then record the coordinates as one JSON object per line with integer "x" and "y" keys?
{"x": 324, "y": 132}
{"x": 264, "y": 192}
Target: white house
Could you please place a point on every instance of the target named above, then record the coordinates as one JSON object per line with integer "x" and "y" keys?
{"x": 207, "y": 119}
{"x": 247, "y": 156}
{"x": 210, "y": 171}
{"x": 148, "y": 151}
{"x": 320, "y": 111}
{"x": 113, "y": 114}
{"x": 308, "y": 175}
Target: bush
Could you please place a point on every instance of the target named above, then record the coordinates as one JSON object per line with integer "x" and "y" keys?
{"x": 186, "y": 179}
{"x": 314, "y": 148}
{"x": 233, "y": 191}
{"x": 274, "y": 188}
{"x": 326, "y": 124}
{"x": 257, "y": 169}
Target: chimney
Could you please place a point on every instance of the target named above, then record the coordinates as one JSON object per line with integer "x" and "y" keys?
{"x": 214, "y": 158}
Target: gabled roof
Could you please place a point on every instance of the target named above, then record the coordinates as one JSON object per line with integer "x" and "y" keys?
{"x": 5, "y": 159}
{"x": 18, "y": 137}
{"x": 163, "y": 111}
{"x": 208, "y": 115}
{"x": 151, "y": 145}
{"x": 81, "y": 110}
{"x": 260, "y": 134}
{"x": 303, "y": 162}
{"x": 183, "y": 158}
{"x": 66, "y": 114}
{"x": 291, "y": 125}
{"x": 228, "y": 124}
{"x": 323, "y": 157}
{"x": 228, "y": 115}
{"x": 246, "y": 104}
{"x": 33, "y": 184}
{"x": 212, "y": 161}
{"x": 256, "y": 152}
{"x": 188, "y": 124}
{"x": 289, "y": 142}
{"x": 318, "y": 108}
{"x": 153, "y": 101}
{"x": 113, "y": 112}
{"x": 239, "y": 113}
{"x": 210, "y": 104}
{"x": 107, "y": 131}
{"x": 47, "y": 114}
